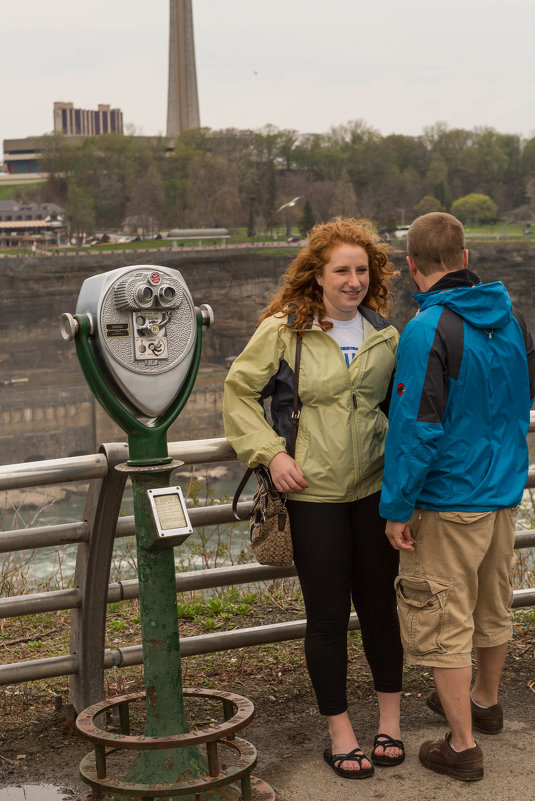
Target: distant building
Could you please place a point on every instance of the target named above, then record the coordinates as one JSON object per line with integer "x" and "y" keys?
{"x": 72, "y": 121}
{"x": 11, "y": 211}
{"x": 21, "y": 156}
{"x": 22, "y": 224}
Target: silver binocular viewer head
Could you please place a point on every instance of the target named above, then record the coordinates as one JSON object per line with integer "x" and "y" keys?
{"x": 143, "y": 332}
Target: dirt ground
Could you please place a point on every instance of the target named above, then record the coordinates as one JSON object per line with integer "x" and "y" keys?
{"x": 39, "y": 745}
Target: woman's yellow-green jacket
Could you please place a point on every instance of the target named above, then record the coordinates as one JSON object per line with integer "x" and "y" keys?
{"x": 342, "y": 425}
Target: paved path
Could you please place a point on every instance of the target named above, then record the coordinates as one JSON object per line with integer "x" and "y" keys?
{"x": 294, "y": 767}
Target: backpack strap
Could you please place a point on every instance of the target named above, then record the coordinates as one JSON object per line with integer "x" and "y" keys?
{"x": 296, "y": 413}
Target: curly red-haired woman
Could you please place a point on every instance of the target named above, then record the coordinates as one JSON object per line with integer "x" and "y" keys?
{"x": 334, "y": 295}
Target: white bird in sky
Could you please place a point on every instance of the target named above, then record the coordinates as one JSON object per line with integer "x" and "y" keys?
{"x": 290, "y": 203}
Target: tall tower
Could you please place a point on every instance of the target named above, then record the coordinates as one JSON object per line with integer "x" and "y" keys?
{"x": 182, "y": 100}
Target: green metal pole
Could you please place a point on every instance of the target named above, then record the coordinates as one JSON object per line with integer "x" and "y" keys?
{"x": 161, "y": 647}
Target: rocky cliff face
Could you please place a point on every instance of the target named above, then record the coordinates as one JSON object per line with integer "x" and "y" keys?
{"x": 53, "y": 413}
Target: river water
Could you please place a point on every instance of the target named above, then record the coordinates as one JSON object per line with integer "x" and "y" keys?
{"x": 53, "y": 567}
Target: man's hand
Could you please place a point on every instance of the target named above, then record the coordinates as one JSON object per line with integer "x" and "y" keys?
{"x": 286, "y": 473}
{"x": 399, "y": 535}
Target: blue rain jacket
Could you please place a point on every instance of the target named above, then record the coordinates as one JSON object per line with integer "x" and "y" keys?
{"x": 460, "y": 405}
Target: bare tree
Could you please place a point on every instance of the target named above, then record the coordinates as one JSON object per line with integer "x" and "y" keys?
{"x": 213, "y": 191}
{"x": 344, "y": 200}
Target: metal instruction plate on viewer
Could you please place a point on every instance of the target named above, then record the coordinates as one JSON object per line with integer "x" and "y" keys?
{"x": 170, "y": 513}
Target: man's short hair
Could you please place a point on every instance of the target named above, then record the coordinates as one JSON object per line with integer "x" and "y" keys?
{"x": 435, "y": 242}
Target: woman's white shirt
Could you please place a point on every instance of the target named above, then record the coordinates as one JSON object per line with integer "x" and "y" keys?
{"x": 349, "y": 334}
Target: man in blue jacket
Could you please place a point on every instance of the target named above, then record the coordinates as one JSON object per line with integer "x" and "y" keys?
{"x": 456, "y": 464}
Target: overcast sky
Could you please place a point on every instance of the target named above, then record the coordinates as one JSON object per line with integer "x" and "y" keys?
{"x": 302, "y": 64}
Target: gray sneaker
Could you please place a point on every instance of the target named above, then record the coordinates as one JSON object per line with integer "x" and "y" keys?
{"x": 465, "y": 765}
{"x": 488, "y": 720}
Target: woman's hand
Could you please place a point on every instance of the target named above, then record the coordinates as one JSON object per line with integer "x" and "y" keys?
{"x": 286, "y": 473}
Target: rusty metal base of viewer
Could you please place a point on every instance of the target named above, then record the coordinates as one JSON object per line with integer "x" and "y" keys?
{"x": 220, "y": 782}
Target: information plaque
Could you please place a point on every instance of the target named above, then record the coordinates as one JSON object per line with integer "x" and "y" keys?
{"x": 170, "y": 513}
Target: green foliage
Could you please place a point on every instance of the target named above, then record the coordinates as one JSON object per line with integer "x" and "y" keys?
{"x": 215, "y": 605}
{"x": 524, "y": 617}
{"x": 250, "y": 224}
{"x": 356, "y": 637}
{"x": 12, "y": 192}
{"x": 436, "y": 180}
{"x": 79, "y": 209}
{"x": 212, "y": 612}
{"x": 269, "y": 195}
{"x": 528, "y": 158}
{"x": 307, "y": 219}
{"x": 192, "y": 610}
{"x": 235, "y": 178}
{"x": 427, "y": 205}
{"x": 475, "y": 208}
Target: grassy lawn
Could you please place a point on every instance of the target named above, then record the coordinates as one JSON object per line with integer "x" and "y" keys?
{"x": 502, "y": 230}
{"x": 9, "y": 192}
{"x": 12, "y": 191}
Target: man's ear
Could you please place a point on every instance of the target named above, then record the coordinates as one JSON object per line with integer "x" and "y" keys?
{"x": 466, "y": 253}
{"x": 412, "y": 266}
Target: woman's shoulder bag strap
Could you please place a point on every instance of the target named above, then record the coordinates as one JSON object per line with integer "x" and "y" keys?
{"x": 296, "y": 413}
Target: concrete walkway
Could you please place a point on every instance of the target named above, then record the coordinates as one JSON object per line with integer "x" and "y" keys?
{"x": 294, "y": 766}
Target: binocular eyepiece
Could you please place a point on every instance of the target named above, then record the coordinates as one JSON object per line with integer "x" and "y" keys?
{"x": 145, "y": 292}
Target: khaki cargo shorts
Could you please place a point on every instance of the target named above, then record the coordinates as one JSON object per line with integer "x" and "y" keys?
{"x": 454, "y": 590}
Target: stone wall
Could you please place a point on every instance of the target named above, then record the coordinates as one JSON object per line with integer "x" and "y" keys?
{"x": 54, "y": 414}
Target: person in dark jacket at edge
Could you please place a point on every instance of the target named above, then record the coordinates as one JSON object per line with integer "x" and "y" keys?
{"x": 456, "y": 465}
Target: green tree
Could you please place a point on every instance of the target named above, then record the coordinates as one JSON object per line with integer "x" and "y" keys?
{"x": 307, "y": 219}
{"x": 528, "y": 157}
{"x": 318, "y": 155}
{"x": 269, "y": 195}
{"x": 287, "y": 141}
{"x": 428, "y": 204}
{"x": 475, "y": 208}
{"x": 250, "y": 225}
{"x": 390, "y": 175}
{"x": 80, "y": 211}
{"x": 436, "y": 180}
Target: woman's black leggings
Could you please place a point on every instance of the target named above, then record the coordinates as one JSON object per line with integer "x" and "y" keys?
{"x": 341, "y": 553}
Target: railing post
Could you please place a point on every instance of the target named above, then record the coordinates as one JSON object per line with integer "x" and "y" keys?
{"x": 91, "y": 577}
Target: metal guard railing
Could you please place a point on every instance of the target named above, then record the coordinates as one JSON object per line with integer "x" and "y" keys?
{"x": 95, "y": 535}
